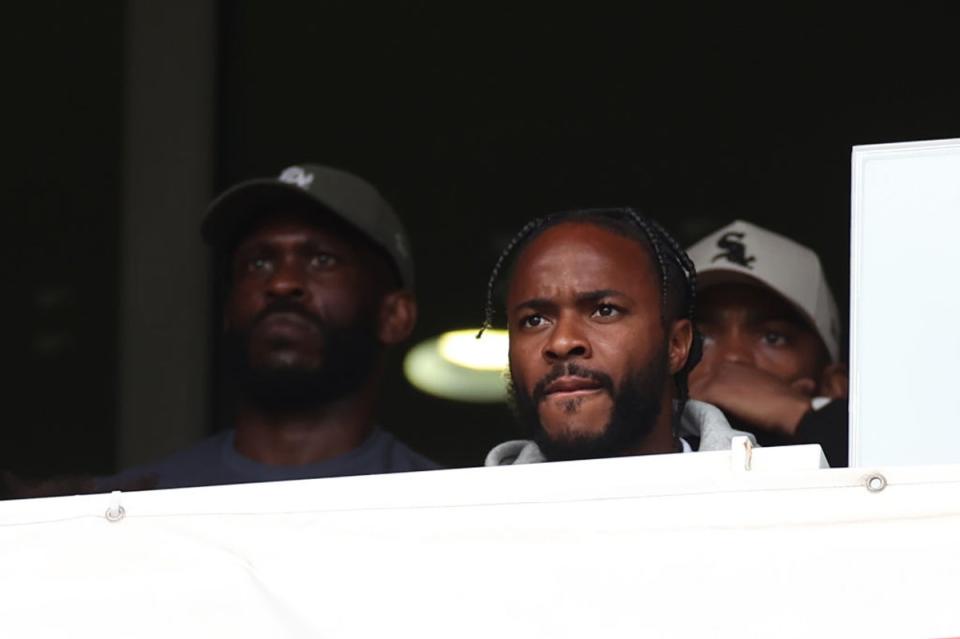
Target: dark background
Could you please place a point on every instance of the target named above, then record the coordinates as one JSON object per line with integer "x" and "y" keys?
{"x": 471, "y": 119}
{"x": 62, "y": 74}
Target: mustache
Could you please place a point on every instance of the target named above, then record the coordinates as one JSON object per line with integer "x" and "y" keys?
{"x": 288, "y": 306}
{"x": 572, "y": 369}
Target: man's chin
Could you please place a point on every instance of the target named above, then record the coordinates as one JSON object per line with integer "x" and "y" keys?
{"x": 279, "y": 387}
{"x": 576, "y": 416}
{"x": 284, "y": 361}
{"x": 573, "y": 445}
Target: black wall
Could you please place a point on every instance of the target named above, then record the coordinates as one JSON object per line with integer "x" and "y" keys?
{"x": 471, "y": 119}
{"x": 62, "y": 67}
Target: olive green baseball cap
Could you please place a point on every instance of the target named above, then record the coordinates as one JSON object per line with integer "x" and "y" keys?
{"x": 348, "y": 197}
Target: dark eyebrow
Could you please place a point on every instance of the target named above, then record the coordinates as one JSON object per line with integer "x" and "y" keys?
{"x": 535, "y": 303}
{"x": 593, "y": 296}
{"x": 544, "y": 304}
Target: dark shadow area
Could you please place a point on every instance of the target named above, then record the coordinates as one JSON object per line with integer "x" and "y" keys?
{"x": 470, "y": 121}
{"x": 60, "y": 197}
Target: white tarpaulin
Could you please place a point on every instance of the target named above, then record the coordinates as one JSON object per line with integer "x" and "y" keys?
{"x": 681, "y": 545}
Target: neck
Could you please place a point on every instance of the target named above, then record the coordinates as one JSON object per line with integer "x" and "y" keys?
{"x": 304, "y": 435}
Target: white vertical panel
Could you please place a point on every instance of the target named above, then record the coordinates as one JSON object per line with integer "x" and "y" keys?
{"x": 905, "y": 345}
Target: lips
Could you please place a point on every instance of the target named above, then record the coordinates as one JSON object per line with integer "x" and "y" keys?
{"x": 572, "y": 384}
{"x": 286, "y": 317}
{"x": 285, "y": 324}
{"x": 571, "y": 380}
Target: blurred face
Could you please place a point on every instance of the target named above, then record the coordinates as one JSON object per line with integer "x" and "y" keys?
{"x": 301, "y": 315}
{"x": 753, "y": 326}
{"x": 589, "y": 358}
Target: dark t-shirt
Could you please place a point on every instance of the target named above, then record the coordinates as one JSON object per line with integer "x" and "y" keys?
{"x": 214, "y": 461}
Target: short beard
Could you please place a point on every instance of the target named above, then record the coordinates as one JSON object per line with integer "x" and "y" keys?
{"x": 349, "y": 358}
{"x": 636, "y": 407}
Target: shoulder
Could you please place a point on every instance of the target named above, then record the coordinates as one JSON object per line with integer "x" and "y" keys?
{"x": 708, "y": 422}
{"x": 192, "y": 466}
{"x": 397, "y": 456}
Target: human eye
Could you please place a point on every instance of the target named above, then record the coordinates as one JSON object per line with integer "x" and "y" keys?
{"x": 257, "y": 264}
{"x": 775, "y": 338}
{"x": 534, "y": 320}
{"x": 607, "y": 311}
{"x": 322, "y": 259}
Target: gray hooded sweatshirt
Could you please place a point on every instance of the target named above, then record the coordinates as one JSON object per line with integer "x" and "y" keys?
{"x": 699, "y": 420}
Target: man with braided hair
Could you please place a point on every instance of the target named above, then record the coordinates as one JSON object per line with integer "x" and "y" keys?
{"x": 599, "y": 307}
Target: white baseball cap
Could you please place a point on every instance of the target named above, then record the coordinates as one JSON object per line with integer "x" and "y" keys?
{"x": 744, "y": 252}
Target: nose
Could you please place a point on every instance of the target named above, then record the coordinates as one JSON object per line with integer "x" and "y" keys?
{"x": 566, "y": 341}
{"x": 287, "y": 281}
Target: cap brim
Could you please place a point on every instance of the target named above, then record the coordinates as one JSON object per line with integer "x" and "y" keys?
{"x": 237, "y": 208}
{"x": 715, "y": 276}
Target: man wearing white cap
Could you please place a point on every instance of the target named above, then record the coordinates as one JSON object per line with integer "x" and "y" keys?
{"x": 771, "y": 339}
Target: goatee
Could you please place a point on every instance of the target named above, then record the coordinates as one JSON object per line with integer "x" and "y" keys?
{"x": 350, "y": 354}
{"x": 636, "y": 407}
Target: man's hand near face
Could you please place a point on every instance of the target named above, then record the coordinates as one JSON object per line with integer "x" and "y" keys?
{"x": 754, "y": 396}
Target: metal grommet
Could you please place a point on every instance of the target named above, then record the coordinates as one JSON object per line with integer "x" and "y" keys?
{"x": 115, "y": 514}
{"x": 875, "y": 482}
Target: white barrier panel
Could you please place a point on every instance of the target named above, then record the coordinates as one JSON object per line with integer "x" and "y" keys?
{"x": 905, "y": 270}
{"x": 673, "y": 545}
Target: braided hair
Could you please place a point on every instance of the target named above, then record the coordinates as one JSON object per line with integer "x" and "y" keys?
{"x": 678, "y": 275}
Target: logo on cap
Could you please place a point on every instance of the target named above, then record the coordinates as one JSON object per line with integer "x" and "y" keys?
{"x": 296, "y": 175}
{"x": 734, "y": 249}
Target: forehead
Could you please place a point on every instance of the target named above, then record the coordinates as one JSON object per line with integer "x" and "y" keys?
{"x": 293, "y": 223}
{"x": 745, "y": 303}
{"x": 581, "y": 256}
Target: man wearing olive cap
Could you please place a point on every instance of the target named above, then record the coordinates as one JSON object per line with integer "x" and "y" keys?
{"x": 318, "y": 281}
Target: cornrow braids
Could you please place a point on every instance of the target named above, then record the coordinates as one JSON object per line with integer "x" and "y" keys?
{"x": 656, "y": 234}
{"x": 666, "y": 252}
{"x": 519, "y": 238}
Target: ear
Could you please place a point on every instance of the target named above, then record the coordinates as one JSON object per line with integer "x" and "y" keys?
{"x": 835, "y": 381}
{"x": 398, "y": 316}
{"x": 679, "y": 342}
